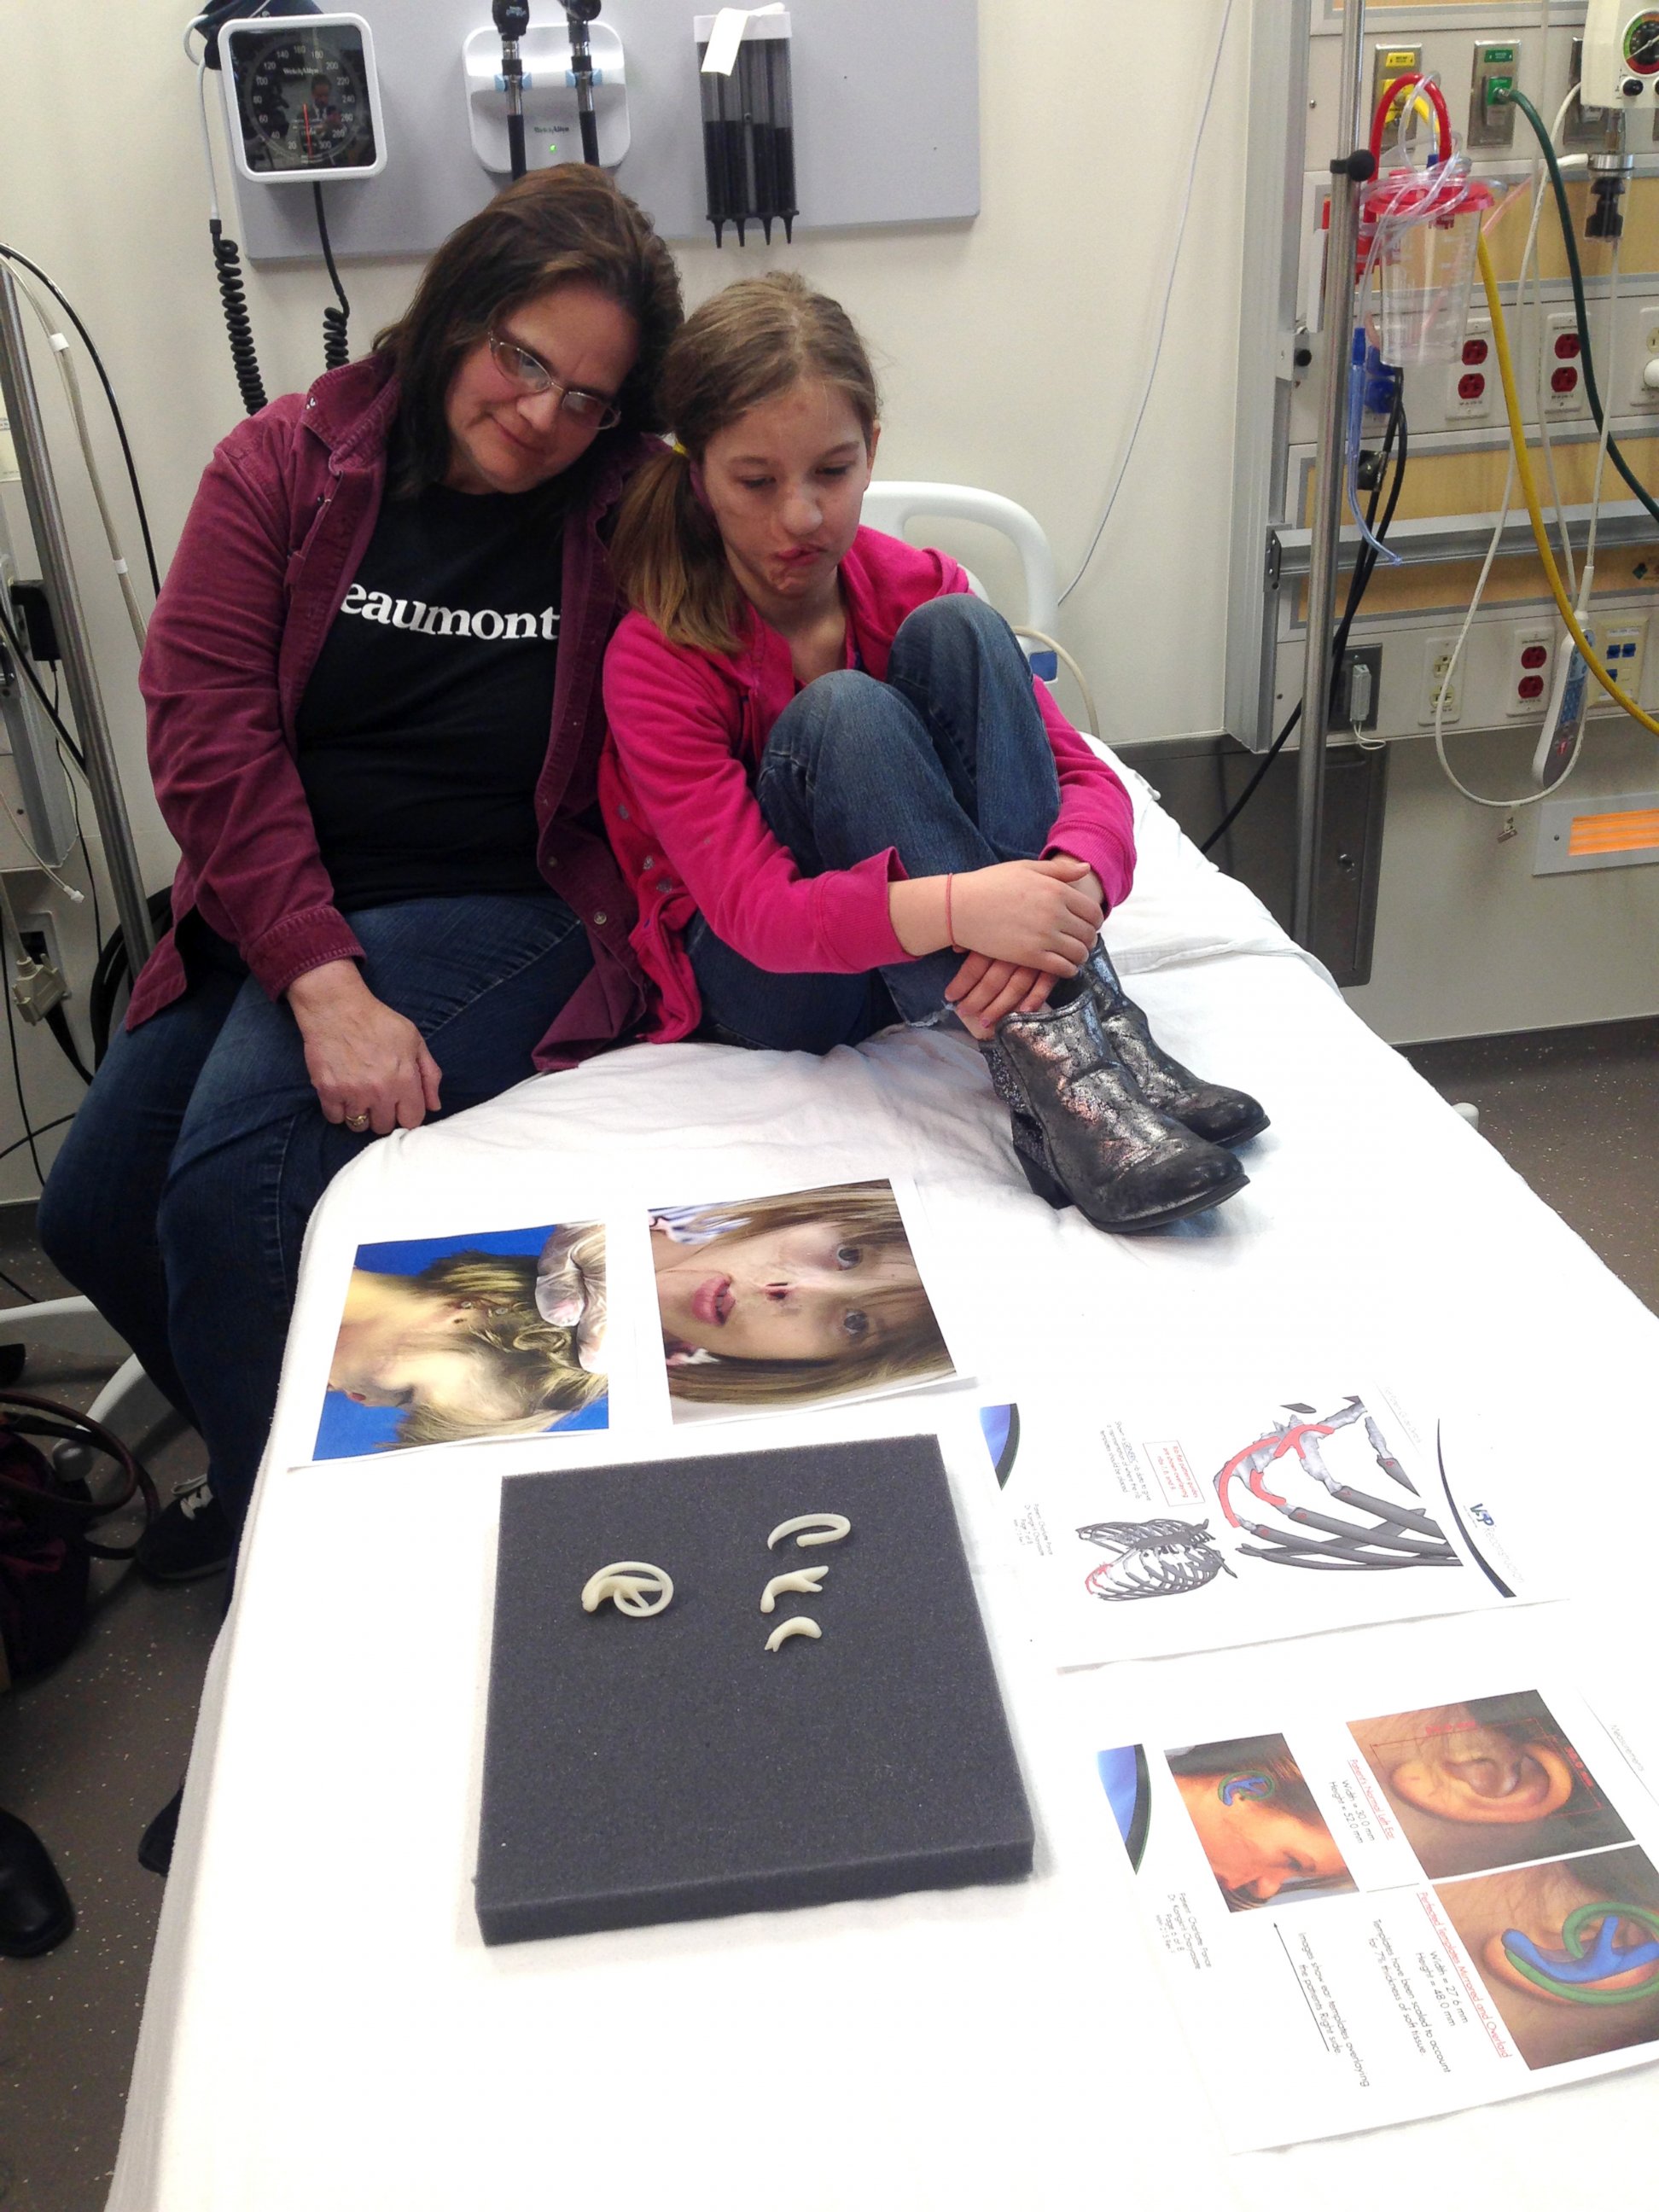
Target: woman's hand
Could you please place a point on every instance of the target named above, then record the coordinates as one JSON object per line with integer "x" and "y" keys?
{"x": 983, "y": 990}
{"x": 362, "y": 1057}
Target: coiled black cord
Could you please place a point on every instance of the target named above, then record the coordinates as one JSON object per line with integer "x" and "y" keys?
{"x": 337, "y": 347}
{"x": 228, "y": 265}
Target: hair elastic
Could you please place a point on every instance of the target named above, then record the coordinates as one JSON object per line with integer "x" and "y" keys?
{"x": 949, "y": 924}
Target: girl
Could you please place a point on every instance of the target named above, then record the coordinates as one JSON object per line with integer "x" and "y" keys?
{"x": 463, "y": 1346}
{"x": 1258, "y": 1822}
{"x": 782, "y": 1301}
{"x": 839, "y": 793}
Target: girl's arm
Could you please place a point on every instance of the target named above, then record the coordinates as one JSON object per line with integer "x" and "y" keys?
{"x": 1095, "y": 822}
{"x": 675, "y": 718}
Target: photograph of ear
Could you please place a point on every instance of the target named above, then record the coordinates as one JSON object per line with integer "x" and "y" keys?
{"x": 1489, "y": 1784}
{"x": 1265, "y": 1837}
{"x": 1569, "y": 1952}
{"x": 802, "y": 1298}
{"x": 500, "y": 1334}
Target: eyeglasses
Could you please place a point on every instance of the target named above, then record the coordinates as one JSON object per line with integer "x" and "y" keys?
{"x": 533, "y": 376}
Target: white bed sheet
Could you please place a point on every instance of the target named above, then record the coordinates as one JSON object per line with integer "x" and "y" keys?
{"x": 324, "y": 2026}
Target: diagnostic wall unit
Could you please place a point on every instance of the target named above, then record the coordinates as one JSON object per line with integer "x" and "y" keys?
{"x": 886, "y": 117}
{"x": 1458, "y": 444}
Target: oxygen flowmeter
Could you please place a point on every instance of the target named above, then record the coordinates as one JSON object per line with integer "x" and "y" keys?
{"x": 1620, "y": 66}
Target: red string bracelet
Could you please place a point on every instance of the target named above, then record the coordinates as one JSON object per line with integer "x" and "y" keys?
{"x": 950, "y": 925}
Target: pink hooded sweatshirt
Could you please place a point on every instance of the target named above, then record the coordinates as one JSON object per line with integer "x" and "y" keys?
{"x": 687, "y": 730}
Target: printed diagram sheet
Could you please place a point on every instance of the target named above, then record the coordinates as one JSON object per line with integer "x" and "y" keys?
{"x": 1240, "y": 1517}
{"x": 1373, "y": 1919}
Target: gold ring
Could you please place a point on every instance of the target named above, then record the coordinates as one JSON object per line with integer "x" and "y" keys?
{"x": 357, "y": 1122}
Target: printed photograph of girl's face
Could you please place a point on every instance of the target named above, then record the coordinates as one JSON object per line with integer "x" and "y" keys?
{"x": 1265, "y": 1837}
{"x": 442, "y": 1338}
{"x": 795, "y": 1300}
{"x": 1489, "y": 1784}
{"x": 1569, "y": 1952}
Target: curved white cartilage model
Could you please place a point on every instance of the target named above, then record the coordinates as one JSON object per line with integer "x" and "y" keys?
{"x": 806, "y": 1582}
{"x": 831, "y": 1528}
{"x": 635, "y": 1586}
{"x": 797, "y": 1624}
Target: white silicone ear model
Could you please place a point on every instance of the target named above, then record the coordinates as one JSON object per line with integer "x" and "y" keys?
{"x": 634, "y": 1586}
{"x": 797, "y": 1624}
{"x": 831, "y": 1528}
{"x": 804, "y": 1582}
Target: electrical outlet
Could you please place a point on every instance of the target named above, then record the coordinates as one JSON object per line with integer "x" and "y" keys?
{"x": 1491, "y": 119}
{"x": 1644, "y": 357}
{"x": 1622, "y": 646}
{"x": 1473, "y": 379}
{"x": 1439, "y": 676}
{"x": 1532, "y": 667}
{"x": 1563, "y": 367}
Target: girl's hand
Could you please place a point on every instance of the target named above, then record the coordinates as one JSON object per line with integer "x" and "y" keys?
{"x": 982, "y": 990}
{"x": 362, "y": 1056}
{"x": 1030, "y": 913}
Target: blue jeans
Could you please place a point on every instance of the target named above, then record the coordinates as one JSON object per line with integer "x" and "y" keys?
{"x": 179, "y": 1200}
{"x": 947, "y": 759}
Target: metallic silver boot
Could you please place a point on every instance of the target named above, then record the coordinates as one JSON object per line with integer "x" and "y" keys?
{"x": 1084, "y": 1134}
{"x": 1209, "y": 1109}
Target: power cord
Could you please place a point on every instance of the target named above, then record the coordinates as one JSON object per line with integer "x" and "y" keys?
{"x": 1364, "y": 567}
{"x": 1576, "y": 276}
{"x": 1163, "y": 311}
{"x": 337, "y": 347}
{"x": 10, "y": 253}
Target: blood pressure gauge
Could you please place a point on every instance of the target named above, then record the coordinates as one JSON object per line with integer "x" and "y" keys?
{"x": 301, "y": 98}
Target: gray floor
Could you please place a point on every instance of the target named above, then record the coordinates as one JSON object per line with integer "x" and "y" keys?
{"x": 88, "y": 1754}
{"x": 1576, "y": 1112}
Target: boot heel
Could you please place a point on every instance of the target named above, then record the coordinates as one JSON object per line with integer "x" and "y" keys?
{"x": 1043, "y": 1182}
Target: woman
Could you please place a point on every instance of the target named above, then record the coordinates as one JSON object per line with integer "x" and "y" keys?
{"x": 838, "y": 794}
{"x": 465, "y": 1348}
{"x": 373, "y": 725}
{"x": 785, "y": 1301}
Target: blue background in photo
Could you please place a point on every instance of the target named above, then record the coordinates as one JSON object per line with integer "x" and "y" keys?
{"x": 346, "y": 1429}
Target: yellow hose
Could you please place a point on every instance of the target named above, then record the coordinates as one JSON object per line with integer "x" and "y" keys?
{"x": 1529, "y": 487}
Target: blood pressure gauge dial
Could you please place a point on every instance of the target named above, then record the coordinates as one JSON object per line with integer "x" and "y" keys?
{"x": 302, "y": 98}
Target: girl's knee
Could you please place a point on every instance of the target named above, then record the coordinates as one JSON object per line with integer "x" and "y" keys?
{"x": 841, "y": 714}
{"x": 957, "y": 615}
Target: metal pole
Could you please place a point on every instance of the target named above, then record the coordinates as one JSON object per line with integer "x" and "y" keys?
{"x": 81, "y": 677}
{"x": 1327, "y": 510}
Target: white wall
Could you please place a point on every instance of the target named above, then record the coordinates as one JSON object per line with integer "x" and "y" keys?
{"x": 1013, "y": 348}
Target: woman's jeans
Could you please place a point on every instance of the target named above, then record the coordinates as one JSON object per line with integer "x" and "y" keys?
{"x": 947, "y": 759}
{"x": 179, "y": 1200}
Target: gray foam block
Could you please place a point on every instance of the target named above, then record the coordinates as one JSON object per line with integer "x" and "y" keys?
{"x": 670, "y": 1768}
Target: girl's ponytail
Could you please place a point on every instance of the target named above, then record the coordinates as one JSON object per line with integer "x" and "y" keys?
{"x": 669, "y": 560}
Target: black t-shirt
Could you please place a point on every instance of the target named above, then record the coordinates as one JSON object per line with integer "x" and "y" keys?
{"x": 424, "y": 724}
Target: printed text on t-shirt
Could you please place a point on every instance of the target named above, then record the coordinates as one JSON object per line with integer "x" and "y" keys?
{"x": 483, "y": 623}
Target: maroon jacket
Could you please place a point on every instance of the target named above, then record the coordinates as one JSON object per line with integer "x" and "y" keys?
{"x": 273, "y": 539}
